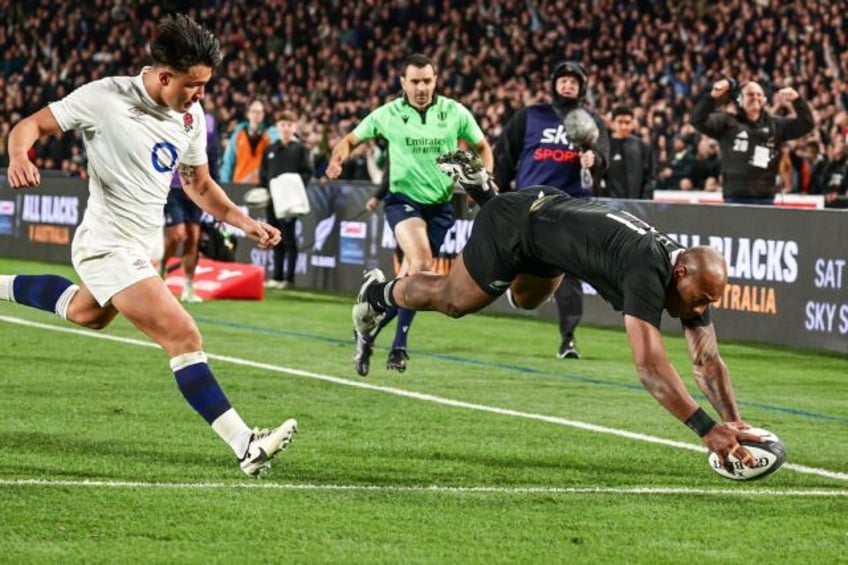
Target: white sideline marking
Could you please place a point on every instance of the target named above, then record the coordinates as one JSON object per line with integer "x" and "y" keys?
{"x": 430, "y": 488}
{"x": 421, "y": 396}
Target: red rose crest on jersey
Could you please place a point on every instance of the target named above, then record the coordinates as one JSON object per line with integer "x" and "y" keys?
{"x": 188, "y": 122}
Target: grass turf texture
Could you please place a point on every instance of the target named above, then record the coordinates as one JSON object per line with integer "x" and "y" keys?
{"x": 103, "y": 461}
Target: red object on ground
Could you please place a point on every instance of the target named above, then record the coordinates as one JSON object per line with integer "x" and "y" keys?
{"x": 218, "y": 280}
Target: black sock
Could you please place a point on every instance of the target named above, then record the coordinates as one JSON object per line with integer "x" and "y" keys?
{"x": 380, "y": 295}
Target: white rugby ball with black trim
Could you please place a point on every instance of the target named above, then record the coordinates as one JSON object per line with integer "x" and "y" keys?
{"x": 770, "y": 455}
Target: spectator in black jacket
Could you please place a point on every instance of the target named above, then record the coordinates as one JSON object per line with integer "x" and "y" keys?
{"x": 750, "y": 141}
{"x": 534, "y": 149}
{"x": 707, "y": 164}
{"x": 678, "y": 172}
{"x": 286, "y": 155}
{"x": 632, "y": 171}
{"x": 834, "y": 177}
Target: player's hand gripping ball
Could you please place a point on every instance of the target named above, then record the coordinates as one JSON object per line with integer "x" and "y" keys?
{"x": 770, "y": 454}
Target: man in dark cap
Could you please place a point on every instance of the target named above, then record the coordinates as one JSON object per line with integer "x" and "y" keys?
{"x": 535, "y": 149}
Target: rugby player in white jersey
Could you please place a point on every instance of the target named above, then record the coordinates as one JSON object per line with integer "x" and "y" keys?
{"x": 138, "y": 131}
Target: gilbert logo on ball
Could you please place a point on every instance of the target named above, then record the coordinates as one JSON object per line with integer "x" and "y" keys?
{"x": 770, "y": 454}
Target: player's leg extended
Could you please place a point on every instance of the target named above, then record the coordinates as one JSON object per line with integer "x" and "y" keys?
{"x": 401, "y": 271}
{"x": 58, "y": 295}
{"x": 528, "y": 292}
{"x": 454, "y": 294}
{"x": 365, "y": 342}
{"x": 149, "y": 305}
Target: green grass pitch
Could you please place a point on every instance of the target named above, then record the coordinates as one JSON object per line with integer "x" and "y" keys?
{"x": 487, "y": 450}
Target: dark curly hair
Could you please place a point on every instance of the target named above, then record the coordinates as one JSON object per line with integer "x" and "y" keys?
{"x": 182, "y": 43}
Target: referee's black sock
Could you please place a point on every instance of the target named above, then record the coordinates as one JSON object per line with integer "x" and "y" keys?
{"x": 380, "y": 295}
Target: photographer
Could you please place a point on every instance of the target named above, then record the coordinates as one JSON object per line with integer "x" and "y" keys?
{"x": 750, "y": 140}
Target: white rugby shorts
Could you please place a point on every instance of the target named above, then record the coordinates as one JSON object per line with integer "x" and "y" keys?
{"x": 108, "y": 267}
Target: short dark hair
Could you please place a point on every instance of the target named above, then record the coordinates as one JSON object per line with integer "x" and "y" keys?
{"x": 284, "y": 116}
{"x": 418, "y": 60}
{"x": 182, "y": 43}
{"x": 622, "y": 111}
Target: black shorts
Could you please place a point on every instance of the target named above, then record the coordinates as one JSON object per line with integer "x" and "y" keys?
{"x": 180, "y": 209}
{"x": 439, "y": 217}
{"x": 501, "y": 246}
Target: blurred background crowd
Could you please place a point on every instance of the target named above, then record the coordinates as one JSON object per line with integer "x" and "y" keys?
{"x": 331, "y": 62}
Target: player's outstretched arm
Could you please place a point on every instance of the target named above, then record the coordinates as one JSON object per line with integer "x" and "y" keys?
{"x": 710, "y": 372}
{"x": 654, "y": 369}
{"x": 208, "y": 194}
{"x": 664, "y": 383}
{"x": 21, "y": 171}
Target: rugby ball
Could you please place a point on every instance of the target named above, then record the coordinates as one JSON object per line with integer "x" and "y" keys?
{"x": 770, "y": 455}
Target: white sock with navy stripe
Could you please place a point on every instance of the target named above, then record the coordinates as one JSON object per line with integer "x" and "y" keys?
{"x": 6, "y": 287}
{"x": 200, "y": 388}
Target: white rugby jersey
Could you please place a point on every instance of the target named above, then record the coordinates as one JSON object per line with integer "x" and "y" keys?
{"x": 133, "y": 146}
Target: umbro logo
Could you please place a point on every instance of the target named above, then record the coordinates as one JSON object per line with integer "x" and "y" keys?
{"x": 405, "y": 119}
{"x": 137, "y": 112}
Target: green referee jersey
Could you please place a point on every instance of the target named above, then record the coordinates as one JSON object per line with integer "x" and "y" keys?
{"x": 415, "y": 139}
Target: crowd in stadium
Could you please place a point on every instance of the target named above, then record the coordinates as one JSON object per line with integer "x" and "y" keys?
{"x": 331, "y": 63}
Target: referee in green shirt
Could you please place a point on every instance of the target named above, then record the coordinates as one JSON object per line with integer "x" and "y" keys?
{"x": 419, "y": 127}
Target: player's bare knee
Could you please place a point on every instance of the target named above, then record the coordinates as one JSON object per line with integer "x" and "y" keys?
{"x": 93, "y": 321}
{"x": 454, "y": 309}
{"x": 188, "y": 339}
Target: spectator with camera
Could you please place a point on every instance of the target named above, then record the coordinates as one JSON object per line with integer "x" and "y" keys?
{"x": 750, "y": 140}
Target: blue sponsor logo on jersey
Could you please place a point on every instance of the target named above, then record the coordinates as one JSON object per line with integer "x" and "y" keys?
{"x": 164, "y": 157}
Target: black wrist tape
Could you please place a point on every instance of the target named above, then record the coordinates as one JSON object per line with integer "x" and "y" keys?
{"x": 700, "y": 422}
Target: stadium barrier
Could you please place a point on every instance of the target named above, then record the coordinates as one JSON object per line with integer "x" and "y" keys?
{"x": 811, "y": 201}
{"x": 788, "y": 279}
